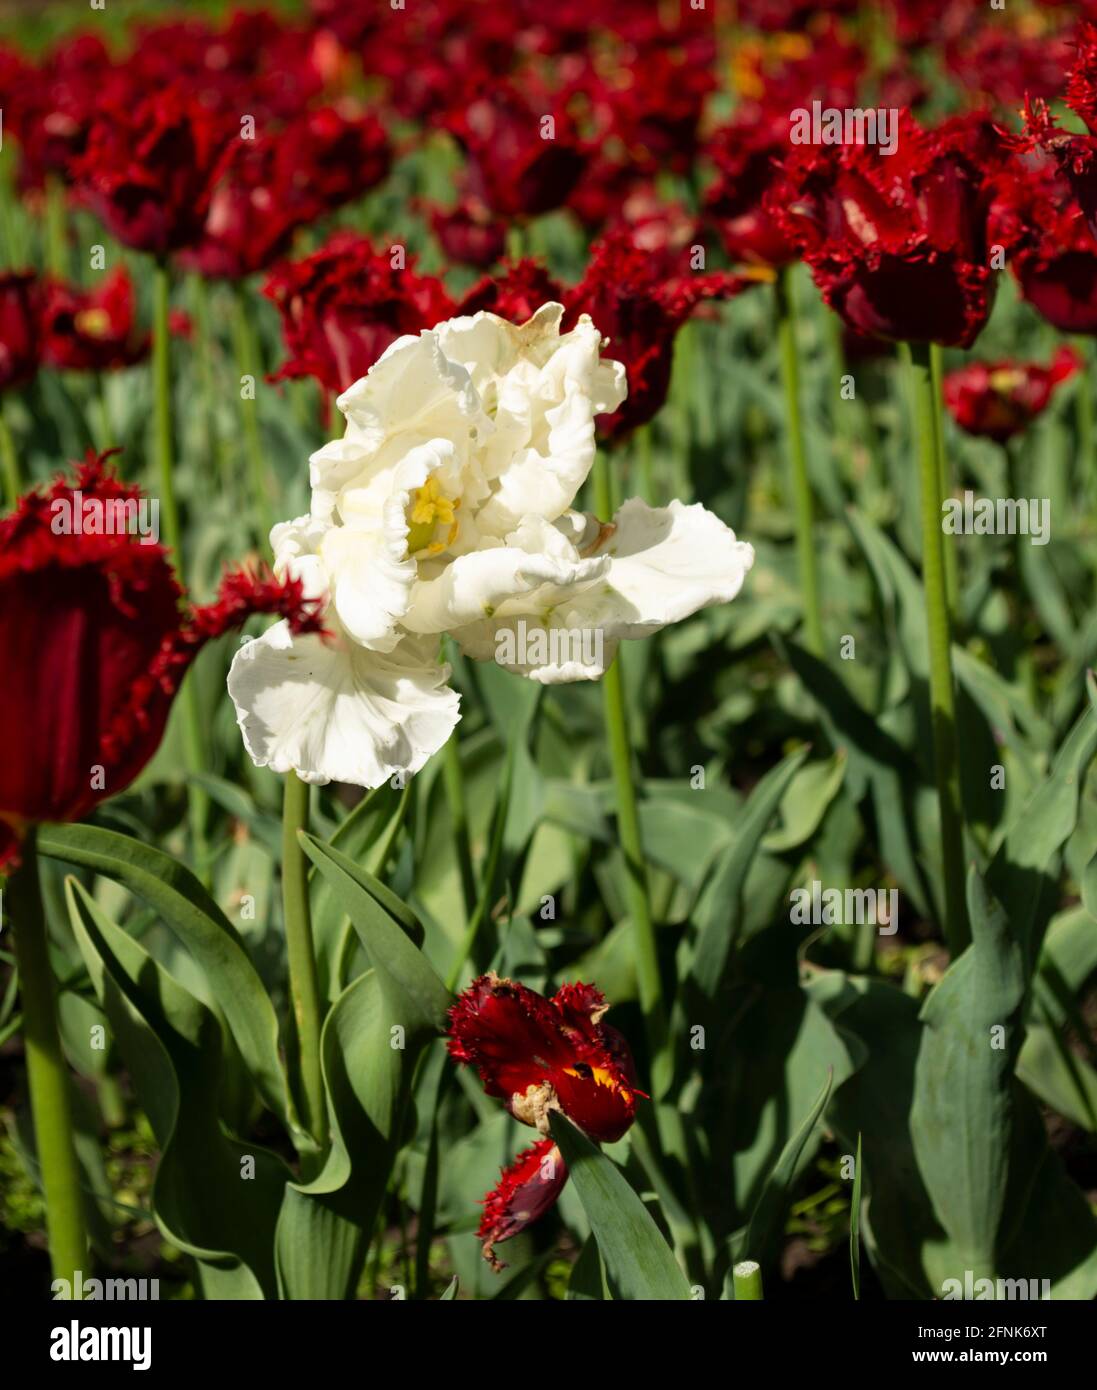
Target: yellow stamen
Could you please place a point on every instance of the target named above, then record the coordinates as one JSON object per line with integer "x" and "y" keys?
{"x": 93, "y": 323}
{"x": 428, "y": 509}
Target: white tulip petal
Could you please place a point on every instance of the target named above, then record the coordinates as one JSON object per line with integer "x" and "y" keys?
{"x": 331, "y": 710}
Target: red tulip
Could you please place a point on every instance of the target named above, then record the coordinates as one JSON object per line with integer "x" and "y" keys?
{"x": 515, "y": 294}
{"x": 898, "y": 244}
{"x": 150, "y": 168}
{"x": 19, "y": 347}
{"x": 997, "y": 400}
{"x": 750, "y": 179}
{"x": 57, "y": 104}
{"x": 1051, "y": 251}
{"x": 332, "y": 156}
{"x": 96, "y": 644}
{"x": 342, "y": 306}
{"x": 542, "y": 1055}
{"x": 639, "y": 301}
{"x": 525, "y": 156}
{"x": 92, "y": 330}
{"x": 469, "y": 233}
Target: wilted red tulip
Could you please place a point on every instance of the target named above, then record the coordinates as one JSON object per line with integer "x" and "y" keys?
{"x": 898, "y": 243}
{"x": 639, "y": 301}
{"x": 96, "y": 642}
{"x": 92, "y": 330}
{"x": 150, "y": 168}
{"x": 516, "y": 293}
{"x": 540, "y": 1055}
{"x": 523, "y": 160}
{"x": 342, "y": 306}
{"x": 469, "y": 233}
{"x": 19, "y": 348}
{"x": 997, "y": 400}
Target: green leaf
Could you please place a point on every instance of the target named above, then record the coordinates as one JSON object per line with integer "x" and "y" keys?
{"x": 961, "y": 1112}
{"x": 855, "y": 1225}
{"x": 172, "y": 1047}
{"x": 767, "y": 1216}
{"x": 639, "y": 1263}
{"x": 204, "y": 931}
{"x": 720, "y": 907}
{"x": 380, "y": 919}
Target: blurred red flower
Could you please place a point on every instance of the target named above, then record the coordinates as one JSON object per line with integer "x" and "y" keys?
{"x": 56, "y": 105}
{"x": 1052, "y": 254}
{"x": 92, "y": 330}
{"x": 150, "y": 168}
{"x": 542, "y": 1055}
{"x": 19, "y": 346}
{"x": 342, "y": 306}
{"x": 516, "y": 293}
{"x": 525, "y": 156}
{"x": 997, "y": 400}
{"x": 332, "y": 156}
{"x": 639, "y": 300}
{"x": 97, "y": 643}
{"x": 469, "y": 233}
{"x": 898, "y": 244}
{"x": 749, "y": 178}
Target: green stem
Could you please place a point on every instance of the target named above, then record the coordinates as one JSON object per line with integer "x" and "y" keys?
{"x": 628, "y": 829}
{"x": 458, "y": 815}
{"x": 205, "y": 345}
{"x": 747, "y": 1278}
{"x": 806, "y": 540}
{"x": 304, "y": 982}
{"x": 247, "y": 361}
{"x": 1087, "y": 434}
{"x": 193, "y": 743}
{"x": 47, "y": 1075}
{"x": 944, "y": 481}
{"x": 56, "y": 233}
{"x": 939, "y": 627}
{"x": 9, "y": 461}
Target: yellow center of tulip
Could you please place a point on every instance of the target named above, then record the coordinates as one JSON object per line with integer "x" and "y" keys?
{"x": 93, "y": 323}
{"x": 428, "y": 509}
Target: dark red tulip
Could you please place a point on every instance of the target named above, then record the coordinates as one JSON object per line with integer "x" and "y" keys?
{"x": 525, "y": 156}
{"x": 150, "y": 168}
{"x": 469, "y": 233}
{"x": 516, "y": 293}
{"x": 750, "y": 177}
{"x": 342, "y": 306}
{"x": 57, "y": 104}
{"x": 997, "y": 400}
{"x": 92, "y": 330}
{"x": 97, "y": 640}
{"x": 254, "y": 211}
{"x": 541, "y": 1055}
{"x": 332, "y": 156}
{"x": 1051, "y": 251}
{"x": 898, "y": 244}
{"x": 19, "y": 345}
{"x": 656, "y": 104}
{"x": 639, "y": 301}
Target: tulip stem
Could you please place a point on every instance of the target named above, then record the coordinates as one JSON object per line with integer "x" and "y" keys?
{"x": 47, "y": 1074}
{"x": 247, "y": 362}
{"x": 952, "y": 575}
{"x": 304, "y": 981}
{"x": 1087, "y": 434}
{"x": 197, "y": 799}
{"x": 628, "y": 830}
{"x": 747, "y": 1279}
{"x": 205, "y": 346}
{"x": 939, "y": 627}
{"x": 9, "y": 460}
{"x": 56, "y": 233}
{"x": 806, "y": 540}
{"x": 458, "y": 815}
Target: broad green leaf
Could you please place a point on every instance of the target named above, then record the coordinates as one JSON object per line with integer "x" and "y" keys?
{"x": 206, "y": 933}
{"x": 639, "y": 1263}
{"x": 961, "y": 1110}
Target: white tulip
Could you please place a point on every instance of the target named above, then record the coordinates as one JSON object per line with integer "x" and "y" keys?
{"x": 446, "y": 508}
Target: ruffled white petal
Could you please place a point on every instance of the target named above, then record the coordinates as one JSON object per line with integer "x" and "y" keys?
{"x": 331, "y": 710}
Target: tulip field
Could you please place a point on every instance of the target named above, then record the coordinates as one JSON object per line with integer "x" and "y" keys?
{"x": 548, "y": 590}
